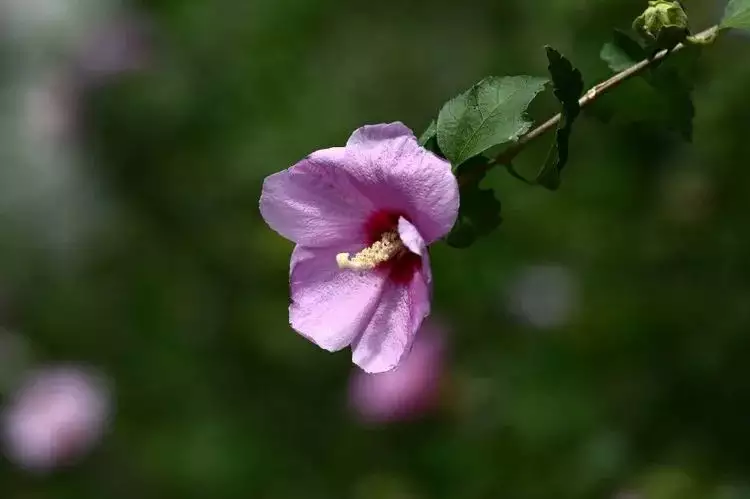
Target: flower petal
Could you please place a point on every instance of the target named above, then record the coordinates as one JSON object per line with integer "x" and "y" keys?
{"x": 330, "y": 307}
{"x": 393, "y": 326}
{"x": 315, "y": 203}
{"x": 411, "y": 237}
{"x": 373, "y": 135}
{"x": 396, "y": 173}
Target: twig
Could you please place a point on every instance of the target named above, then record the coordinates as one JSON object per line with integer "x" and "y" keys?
{"x": 595, "y": 92}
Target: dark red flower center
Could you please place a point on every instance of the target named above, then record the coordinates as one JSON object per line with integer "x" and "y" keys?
{"x": 404, "y": 264}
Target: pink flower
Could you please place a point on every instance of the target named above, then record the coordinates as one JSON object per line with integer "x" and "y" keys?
{"x": 56, "y": 416}
{"x": 362, "y": 217}
{"x": 409, "y": 390}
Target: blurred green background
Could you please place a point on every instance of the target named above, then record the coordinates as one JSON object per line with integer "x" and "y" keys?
{"x": 135, "y": 245}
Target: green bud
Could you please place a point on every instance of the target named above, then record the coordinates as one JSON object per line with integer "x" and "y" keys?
{"x": 663, "y": 25}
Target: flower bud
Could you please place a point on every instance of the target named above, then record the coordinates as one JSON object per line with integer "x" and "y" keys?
{"x": 663, "y": 24}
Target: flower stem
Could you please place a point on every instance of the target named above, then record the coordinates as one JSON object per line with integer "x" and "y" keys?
{"x": 598, "y": 90}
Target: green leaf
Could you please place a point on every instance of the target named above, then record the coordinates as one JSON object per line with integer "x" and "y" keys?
{"x": 615, "y": 58}
{"x": 567, "y": 81}
{"x": 668, "y": 93}
{"x": 428, "y": 140}
{"x": 568, "y": 88}
{"x": 479, "y": 212}
{"x": 489, "y": 114}
{"x": 622, "y": 52}
{"x": 428, "y": 134}
{"x": 737, "y": 15}
{"x": 675, "y": 93}
{"x": 515, "y": 174}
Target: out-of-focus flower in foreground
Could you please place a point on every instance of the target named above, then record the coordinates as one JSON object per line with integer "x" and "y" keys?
{"x": 408, "y": 391}
{"x": 362, "y": 217}
{"x": 55, "y": 417}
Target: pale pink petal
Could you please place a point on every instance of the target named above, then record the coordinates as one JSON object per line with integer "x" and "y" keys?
{"x": 390, "y": 333}
{"x": 412, "y": 239}
{"x": 372, "y": 135}
{"x": 315, "y": 203}
{"x": 399, "y": 175}
{"x": 400, "y": 313}
{"x": 330, "y": 307}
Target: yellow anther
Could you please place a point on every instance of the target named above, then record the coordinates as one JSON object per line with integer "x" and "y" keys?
{"x": 380, "y": 251}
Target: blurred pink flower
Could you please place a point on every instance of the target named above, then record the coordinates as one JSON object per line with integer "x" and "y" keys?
{"x": 55, "y": 417}
{"x": 410, "y": 390}
{"x": 118, "y": 46}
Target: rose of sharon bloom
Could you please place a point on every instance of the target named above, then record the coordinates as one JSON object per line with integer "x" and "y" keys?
{"x": 409, "y": 390}
{"x": 362, "y": 217}
{"x": 56, "y": 415}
